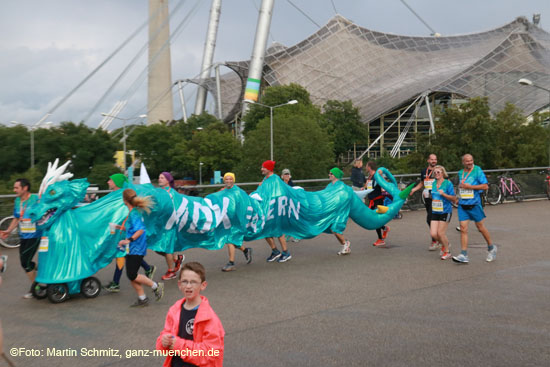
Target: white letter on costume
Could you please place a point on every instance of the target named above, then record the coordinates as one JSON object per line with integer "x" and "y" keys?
{"x": 283, "y": 202}
{"x": 270, "y": 210}
{"x": 176, "y": 214}
{"x": 296, "y": 210}
{"x": 220, "y": 215}
{"x": 197, "y": 208}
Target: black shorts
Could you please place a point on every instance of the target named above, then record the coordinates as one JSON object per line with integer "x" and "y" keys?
{"x": 444, "y": 217}
{"x": 27, "y": 249}
{"x": 133, "y": 262}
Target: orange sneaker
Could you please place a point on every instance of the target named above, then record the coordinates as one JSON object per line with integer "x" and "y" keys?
{"x": 170, "y": 274}
{"x": 379, "y": 243}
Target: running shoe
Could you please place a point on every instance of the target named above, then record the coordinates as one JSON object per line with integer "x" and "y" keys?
{"x": 385, "y": 232}
{"x": 441, "y": 252}
{"x": 275, "y": 254}
{"x": 179, "y": 260}
{"x": 434, "y": 246}
{"x": 458, "y": 228}
{"x": 170, "y": 274}
{"x": 492, "y": 255}
{"x": 230, "y": 266}
{"x": 346, "y": 249}
{"x": 248, "y": 255}
{"x": 113, "y": 287}
{"x": 159, "y": 292}
{"x": 285, "y": 256}
{"x": 151, "y": 272}
{"x": 379, "y": 242}
{"x": 446, "y": 255}
{"x": 461, "y": 259}
{"x": 140, "y": 302}
{"x": 28, "y": 295}
{"x": 4, "y": 263}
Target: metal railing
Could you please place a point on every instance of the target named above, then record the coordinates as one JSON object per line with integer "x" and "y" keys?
{"x": 531, "y": 179}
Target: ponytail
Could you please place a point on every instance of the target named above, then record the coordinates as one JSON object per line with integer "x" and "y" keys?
{"x": 143, "y": 203}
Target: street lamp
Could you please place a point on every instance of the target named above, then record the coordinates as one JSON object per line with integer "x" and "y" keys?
{"x": 524, "y": 81}
{"x": 271, "y": 117}
{"x": 123, "y": 131}
{"x": 32, "y": 128}
{"x": 200, "y": 173}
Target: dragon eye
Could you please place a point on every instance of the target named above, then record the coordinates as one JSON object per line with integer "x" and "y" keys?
{"x": 52, "y": 192}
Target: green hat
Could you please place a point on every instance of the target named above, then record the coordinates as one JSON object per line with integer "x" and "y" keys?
{"x": 119, "y": 179}
{"x": 337, "y": 172}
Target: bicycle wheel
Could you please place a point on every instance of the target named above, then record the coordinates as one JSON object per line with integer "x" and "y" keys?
{"x": 518, "y": 192}
{"x": 13, "y": 239}
{"x": 493, "y": 194}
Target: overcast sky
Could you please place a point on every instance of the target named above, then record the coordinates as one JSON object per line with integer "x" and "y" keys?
{"x": 48, "y": 47}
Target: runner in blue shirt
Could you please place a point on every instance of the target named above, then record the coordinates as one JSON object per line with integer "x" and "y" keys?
{"x": 30, "y": 236}
{"x": 442, "y": 194}
{"x": 135, "y": 245}
{"x": 472, "y": 181}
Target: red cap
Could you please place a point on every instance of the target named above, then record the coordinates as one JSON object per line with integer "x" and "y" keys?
{"x": 269, "y": 165}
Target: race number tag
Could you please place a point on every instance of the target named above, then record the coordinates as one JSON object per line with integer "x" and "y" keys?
{"x": 437, "y": 206}
{"x": 466, "y": 194}
{"x": 44, "y": 244}
{"x": 369, "y": 185}
{"x": 428, "y": 183}
{"x": 26, "y": 226}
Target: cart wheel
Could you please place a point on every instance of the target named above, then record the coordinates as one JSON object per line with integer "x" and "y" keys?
{"x": 90, "y": 287}
{"x": 58, "y": 293}
{"x": 39, "y": 290}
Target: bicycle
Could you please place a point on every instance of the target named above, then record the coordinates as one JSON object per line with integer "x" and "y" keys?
{"x": 13, "y": 240}
{"x": 504, "y": 188}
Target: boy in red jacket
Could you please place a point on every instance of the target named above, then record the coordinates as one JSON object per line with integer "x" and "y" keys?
{"x": 193, "y": 334}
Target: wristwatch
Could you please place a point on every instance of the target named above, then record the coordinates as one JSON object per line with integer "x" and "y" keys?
{"x": 131, "y": 239}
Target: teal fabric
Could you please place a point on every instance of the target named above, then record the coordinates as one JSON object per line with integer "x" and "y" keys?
{"x": 79, "y": 242}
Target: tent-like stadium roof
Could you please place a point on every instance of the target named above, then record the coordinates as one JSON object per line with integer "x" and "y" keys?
{"x": 380, "y": 71}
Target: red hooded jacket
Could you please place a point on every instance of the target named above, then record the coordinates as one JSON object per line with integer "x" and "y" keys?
{"x": 208, "y": 336}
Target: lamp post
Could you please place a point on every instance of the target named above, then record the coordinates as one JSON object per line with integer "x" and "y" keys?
{"x": 525, "y": 81}
{"x": 200, "y": 173}
{"x": 123, "y": 132}
{"x": 32, "y": 128}
{"x": 271, "y": 118}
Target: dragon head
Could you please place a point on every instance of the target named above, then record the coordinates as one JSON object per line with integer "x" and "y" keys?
{"x": 57, "y": 195}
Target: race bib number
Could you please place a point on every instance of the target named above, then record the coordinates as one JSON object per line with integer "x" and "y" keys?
{"x": 437, "y": 206}
{"x": 428, "y": 183}
{"x": 466, "y": 194}
{"x": 369, "y": 185}
{"x": 44, "y": 244}
{"x": 26, "y": 226}
{"x": 426, "y": 193}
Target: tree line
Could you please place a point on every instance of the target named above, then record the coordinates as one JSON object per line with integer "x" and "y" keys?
{"x": 307, "y": 140}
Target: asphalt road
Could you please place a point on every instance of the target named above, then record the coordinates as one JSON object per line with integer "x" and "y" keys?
{"x": 394, "y": 306}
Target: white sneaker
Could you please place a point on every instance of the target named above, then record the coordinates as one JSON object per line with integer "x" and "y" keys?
{"x": 461, "y": 259}
{"x": 434, "y": 246}
{"x": 346, "y": 248}
{"x": 492, "y": 255}
{"x": 28, "y": 295}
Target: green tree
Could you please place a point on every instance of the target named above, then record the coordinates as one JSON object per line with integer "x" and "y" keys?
{"x": 153, "y": 144}
{"x": 343, "y": 123}
{"x": 15, "y": 157}
{"x": 214, "y": 146}
{"x": 300, "y": 144}
{"x": 186, "y": 130}
{"x": 503, "y": 141}
{"x": 278, "y": 95}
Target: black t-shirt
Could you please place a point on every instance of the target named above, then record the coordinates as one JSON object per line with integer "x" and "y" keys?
{"x": 426, "y": 172}
{"x": 377, "y": 189}
{"x": 185, "y": 331}
{"x": 357, "y": 177}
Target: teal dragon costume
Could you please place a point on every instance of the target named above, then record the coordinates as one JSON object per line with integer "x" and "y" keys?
{"x": 77, "y": 241}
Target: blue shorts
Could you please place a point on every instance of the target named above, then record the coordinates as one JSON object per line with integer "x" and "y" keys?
{"x": 476, "y": 213}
